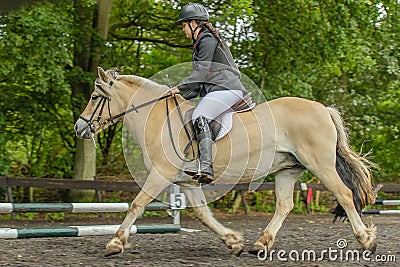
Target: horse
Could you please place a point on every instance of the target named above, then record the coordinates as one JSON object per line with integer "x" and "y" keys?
{"x": 306, "y": 136}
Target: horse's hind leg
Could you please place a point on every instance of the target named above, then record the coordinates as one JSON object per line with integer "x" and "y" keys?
{"x": 318, "y": 151}
{"x": 284, "y": 186}
{"x": 232, "y": 239}
{"x": 153, "y": 186}
{"x": 365, "y": 236}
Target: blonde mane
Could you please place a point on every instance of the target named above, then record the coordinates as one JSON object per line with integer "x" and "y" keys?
{"x": 142, "y": 82}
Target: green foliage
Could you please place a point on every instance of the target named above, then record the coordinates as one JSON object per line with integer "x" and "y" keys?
{"x": 148, "y": 213}
{"x": 263, "y": 201}
{"x": 34, "y": 47}
{"x": 29, "y": 215}
{"x": 343, "y": 54}
{"x": 22, "y": 216}
{"x": 4, "y": 165}
{"x": 55, "y": 216}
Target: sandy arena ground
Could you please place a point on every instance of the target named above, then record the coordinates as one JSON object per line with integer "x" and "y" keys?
{"x": 201, "y": 248}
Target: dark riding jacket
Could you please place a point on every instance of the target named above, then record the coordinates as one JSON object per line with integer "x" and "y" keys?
{"x": 213, "y": 68}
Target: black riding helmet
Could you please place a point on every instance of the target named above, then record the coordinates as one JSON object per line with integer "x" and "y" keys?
{"x": 193, "y": 11}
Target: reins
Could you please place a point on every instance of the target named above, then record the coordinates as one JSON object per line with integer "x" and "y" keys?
{"x": 136, "y": 108}
{"x": 191, "y": 138}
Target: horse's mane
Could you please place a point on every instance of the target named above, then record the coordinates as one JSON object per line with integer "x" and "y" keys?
{"x": 141, "y": 82}
{"x": 133, "y": 79}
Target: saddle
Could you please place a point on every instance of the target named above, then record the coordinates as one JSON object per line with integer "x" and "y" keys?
{"x": 245, "y": 104}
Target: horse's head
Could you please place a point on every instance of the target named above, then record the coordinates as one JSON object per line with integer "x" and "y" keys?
{"x": 104, "y": 102}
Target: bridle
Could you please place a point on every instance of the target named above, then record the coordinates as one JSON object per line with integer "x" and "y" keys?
{"x": 101, "y": 105}
{"x": 111, "y": 119}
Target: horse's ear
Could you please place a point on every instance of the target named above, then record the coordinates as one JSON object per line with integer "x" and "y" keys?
{"x": 101, "y": 73}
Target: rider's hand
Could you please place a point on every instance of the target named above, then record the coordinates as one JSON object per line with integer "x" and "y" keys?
{"x": 174, "y": 90}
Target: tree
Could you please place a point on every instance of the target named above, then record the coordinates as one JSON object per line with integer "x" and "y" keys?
{"x": 46, "y": 76}
{"x": 34, "y": 91}
{"x": 86, "y": 59}
{"x": 341, "y": 53}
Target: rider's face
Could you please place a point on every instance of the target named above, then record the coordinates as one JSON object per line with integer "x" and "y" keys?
{"x": 186, "y": 29}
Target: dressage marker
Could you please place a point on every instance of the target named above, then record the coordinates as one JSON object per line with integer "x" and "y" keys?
{"x": 384, "y": 212}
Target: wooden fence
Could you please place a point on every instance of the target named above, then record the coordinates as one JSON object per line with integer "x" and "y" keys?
{"x": 103, "y": 185}
{"x": 110, "y": 186}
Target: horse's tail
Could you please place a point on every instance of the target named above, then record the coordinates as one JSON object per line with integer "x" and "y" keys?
{"x": 353, "y": 169}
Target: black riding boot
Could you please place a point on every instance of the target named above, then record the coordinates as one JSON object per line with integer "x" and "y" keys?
{"x": 203, "y": 173}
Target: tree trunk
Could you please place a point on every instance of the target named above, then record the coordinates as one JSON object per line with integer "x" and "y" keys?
{"x": 100, "y": 23}
{"x": 86, "y": 18}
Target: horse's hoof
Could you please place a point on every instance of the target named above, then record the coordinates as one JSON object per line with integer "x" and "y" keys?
{"x": 236, "y": 250}
{"x": 114, "y": 247}
{"x": 261, "y": 254}
{"x": 128, "y": 245}
{"x": 258, "y": 250}
{"x": 373, "y": 247}
{"x": 110, "y": 252}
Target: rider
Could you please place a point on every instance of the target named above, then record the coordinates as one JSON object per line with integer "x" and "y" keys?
{"x": 215, "y": 78}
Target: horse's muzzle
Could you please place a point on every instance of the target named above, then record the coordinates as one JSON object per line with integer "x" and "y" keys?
{"x": 83, "y": 129}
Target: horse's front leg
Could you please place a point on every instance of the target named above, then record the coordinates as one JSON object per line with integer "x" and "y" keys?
{"x": 153, "y": 186}
{"x": 232, "y": 239}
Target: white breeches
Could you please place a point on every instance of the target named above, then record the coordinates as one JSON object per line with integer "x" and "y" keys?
{"x": 216, "y": 103}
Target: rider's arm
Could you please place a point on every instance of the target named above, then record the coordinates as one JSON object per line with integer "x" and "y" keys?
{"x": 203, "y": 54}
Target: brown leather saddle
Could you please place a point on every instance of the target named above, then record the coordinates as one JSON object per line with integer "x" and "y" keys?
{"x": 215, "y": 125}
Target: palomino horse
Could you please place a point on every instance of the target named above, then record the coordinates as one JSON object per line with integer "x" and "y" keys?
{"x": 308, "y": 136}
